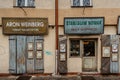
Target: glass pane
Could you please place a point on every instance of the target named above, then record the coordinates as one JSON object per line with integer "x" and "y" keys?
{"x": 30, "y": 2}
{"x": 89, "y": 48}
{"x": 74, "y": 48}
{"x": 21, "y": 3}
{"x": 86, "y": 2}
{"x": 76, "y": 2}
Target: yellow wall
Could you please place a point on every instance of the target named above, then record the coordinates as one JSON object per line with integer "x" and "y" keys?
{"x": 45, "y": 8}
{"x": 43, "y": 4}
{"x": 4, "y": 53}
{"x": 96, "y": 4}
{"x": 49, "y": 45}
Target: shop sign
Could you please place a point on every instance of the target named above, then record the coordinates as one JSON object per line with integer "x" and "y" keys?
{"x": 32, "y": 26}
{"x": 84, "y": 25}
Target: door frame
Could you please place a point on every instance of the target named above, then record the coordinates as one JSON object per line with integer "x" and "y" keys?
{"x": 93, "y": 69}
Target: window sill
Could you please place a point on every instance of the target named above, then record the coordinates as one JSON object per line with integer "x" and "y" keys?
{"x": 23, "y": 6}
{"x": 81, "y": 6}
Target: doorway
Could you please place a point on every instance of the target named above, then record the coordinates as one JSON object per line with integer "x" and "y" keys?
{"x": 89, "y": 56}
{"x": 26, "y": 54}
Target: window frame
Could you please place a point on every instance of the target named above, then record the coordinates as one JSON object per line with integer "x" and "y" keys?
{"x": 26, "y": 4}
{"x": 81, "y": 4}
{"x": 79, "y": 48}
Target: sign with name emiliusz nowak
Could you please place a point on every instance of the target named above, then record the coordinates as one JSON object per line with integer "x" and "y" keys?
{"x": 89, "y": 25}
{"x": 31, "y": 26}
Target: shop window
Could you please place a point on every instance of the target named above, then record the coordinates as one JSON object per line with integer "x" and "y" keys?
{"x": 25, "y": 3}
{"x": 81, "y": 3}
{"x": 74, "y": 48}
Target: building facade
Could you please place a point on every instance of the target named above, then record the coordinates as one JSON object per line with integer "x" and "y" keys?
{"x": 91, "y": 31}
{"x": 88, "y": 36}
{"x": 28, "y": 51}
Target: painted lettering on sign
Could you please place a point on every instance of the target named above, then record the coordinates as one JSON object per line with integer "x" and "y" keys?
{"x": 23, "y": 26}
{"x": 84, "y": 25}
{"x": 26, "y": 24}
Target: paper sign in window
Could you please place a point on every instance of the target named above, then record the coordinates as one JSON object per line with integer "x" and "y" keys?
{"x": 114, "y": 48}
{"x": 114, "y": 57}
{"x": 62, "y": 57}
{"x": 39, "y": 55}
{"x": 30, "y": 46}
{"x": 39, "y": 45}
{"x": 62, "y": 47}
{"x": 30, "y": 54}
{"x": 106, "y": 51}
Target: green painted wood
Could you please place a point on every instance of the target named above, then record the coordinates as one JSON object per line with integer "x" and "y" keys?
{"x": 12, "y": 56}
{"x": 105, "y": 40}
{"x": 30, "y": 62}
{"x": 114, "y": 65}
{"x": 39, "y": 63}
{"x": 21, "y": 54}
{"x": 19, "y": 61}
{"x": 105, "y": 65}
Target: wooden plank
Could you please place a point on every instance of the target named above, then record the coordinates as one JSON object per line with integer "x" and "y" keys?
{"x": 105, "y": 65}
{"x": 30, "y": 62}
{"x": 21, "y": 46}
{"x": 12, "y": 56}
{"x": 105, "y": 61}
{"x": 89, "y": 64}
{"x": 105, "y": 40}
{"x": 62, "y": 63}
{"x": 39, "y": 63}
{"x": 114, "y": 65}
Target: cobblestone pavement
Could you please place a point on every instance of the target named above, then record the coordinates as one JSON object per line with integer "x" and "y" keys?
{"x": 97, "y": 77}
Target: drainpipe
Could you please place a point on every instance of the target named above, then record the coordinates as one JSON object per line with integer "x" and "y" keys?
{"x": 57, "y": 31}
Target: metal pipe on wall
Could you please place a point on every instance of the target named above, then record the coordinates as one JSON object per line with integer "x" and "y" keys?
{"x": 57, "y": 31}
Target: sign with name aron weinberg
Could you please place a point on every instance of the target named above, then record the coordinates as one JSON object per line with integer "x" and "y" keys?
{"x": 30, "y": 26}
{"x": 89, "y": 25}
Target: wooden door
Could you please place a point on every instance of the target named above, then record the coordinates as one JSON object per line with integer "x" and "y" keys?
{"x": 26, "y": 54}
{"x": 89, "y": 56}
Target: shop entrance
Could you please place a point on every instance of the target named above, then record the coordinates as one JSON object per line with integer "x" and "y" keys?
{"x": 26, "y": 54}
{"x": 89, "y": 56}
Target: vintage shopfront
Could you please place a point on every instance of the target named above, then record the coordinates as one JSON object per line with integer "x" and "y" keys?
{"x": 26, "y": 44}
{"x": 84, "y": 48}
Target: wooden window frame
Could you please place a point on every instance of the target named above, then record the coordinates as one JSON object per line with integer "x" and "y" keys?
{"x": 70, "y": 49}
{"x": 26, "y": 4}
{"x": 80, "y": 3}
